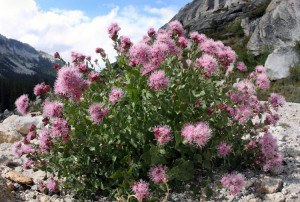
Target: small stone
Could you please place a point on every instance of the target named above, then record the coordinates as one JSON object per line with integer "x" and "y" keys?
{"x": 278, "y": 197}
{"x": 45, "y": 199}
{"x": 10, "y": 186}
{"x": 18, "y": 177}
{"x": 270, "y": 185}
{"x": 254, "y": 200}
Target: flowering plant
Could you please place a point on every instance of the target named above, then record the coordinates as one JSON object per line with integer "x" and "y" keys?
{"x": 169, "y": 109}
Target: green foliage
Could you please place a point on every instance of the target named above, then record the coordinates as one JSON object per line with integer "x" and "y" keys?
{"x": 107, "y": 158}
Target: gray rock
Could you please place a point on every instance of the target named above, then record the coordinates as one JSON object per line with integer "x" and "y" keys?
{"x": 5, "y": 194}
{"x": 279, "y": 62}
{"x": 280, "y": 26}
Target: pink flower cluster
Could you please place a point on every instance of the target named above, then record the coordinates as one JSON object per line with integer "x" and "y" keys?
{"x": 158, "y": 174}
{"x": 241, "y": 66}
{"x": 69, "y": 83}
{"x": 175, "y": 27}
{"x": 208, "y": 62}
{"x": 41, "y": 89}
{"x": 162, "y": 134}
{"x": 276, "y": 101}
{"x": 113, "y": 30}
{"x": 45, "y": 141}
{"x": 98, "y": 112}
{"x": 158, "y": 80}
{"x": 141, "y": 190}
{"x": 53, "y": 109}
{"x": 234, "y": 182}
{"x": 61, "y": 128}
{"x": 272, "y": 159}
{"x": 199, "y": 133}
{"x": 223, "y": 149}
{"x": 19, "y": 149}
{"x": 224, "y": 54}
{"x": 115, "y": 95}
{"x": 52, "y": 185}
{"x": 22, "y": 104}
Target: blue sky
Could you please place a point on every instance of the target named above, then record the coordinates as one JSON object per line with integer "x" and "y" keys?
{"x": 93, "y": 8}
{"x": 81, "y": 25}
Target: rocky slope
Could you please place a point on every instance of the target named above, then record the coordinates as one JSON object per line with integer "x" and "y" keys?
{"x": 17, "y": 184}
{"x": 21, "y": 67}
{"x": 266, "y": 25}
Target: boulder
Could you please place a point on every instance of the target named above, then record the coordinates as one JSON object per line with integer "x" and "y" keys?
{"x": 13, "y": 127}
{"x": 279, "y": 26}
{"x": 279, "y": 62}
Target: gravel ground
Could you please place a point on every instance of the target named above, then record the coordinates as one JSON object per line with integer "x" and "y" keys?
{"x": 284, "y": 186}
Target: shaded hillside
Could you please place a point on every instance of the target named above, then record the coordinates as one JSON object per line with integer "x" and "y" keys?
{"x": 21, "y": 68}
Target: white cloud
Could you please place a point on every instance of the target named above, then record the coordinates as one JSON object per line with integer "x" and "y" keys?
{"x": 72, "y": 30}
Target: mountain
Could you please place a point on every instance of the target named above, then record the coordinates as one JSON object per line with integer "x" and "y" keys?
{"x": 265, "y": 31}
{"x": 21, "y": 68}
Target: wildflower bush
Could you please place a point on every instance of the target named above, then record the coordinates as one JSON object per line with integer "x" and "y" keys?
{"x": 169, "y": 110}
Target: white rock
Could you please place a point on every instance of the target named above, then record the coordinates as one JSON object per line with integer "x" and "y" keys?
{"x": 279, "y": 62}
{"x": 277, "y": 197}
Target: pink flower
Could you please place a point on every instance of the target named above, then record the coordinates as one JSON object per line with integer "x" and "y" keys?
{"x": 223, "y": 149}
{"x": 94, "y": 76}
{"x": 208, "y": 62}
{"x": 27, "y": 165}
{"x": 141, "y": 190}
{"x": 16, "y": 149}
{"x": 202, "y": 133}
{"x": 98, "y": 112}
{"x": 158, "y": 174}
{"x": 198, "y": 133}
{"x": 148, "y": 67}
{"x": 262, "y": 81}
{"x": 22, "y": 104}
{"x": 56, "y": 55}
{"x": 245, "y": 86}
{"x": 271, "y": 156}
{"x": 260, "y": 69}
{"x": 31, "y": 127}
{"x": 198, "y": 38}
{"x": 166, "y": 39}
{"x": 45, "y": 141}
{"x": 175, "y": 27}
{"x": 113, "y": 30}
{"x": 159, "y": 52}
{"x": 158, "y": 80}
{"x": 162, "y": 134}
{"x": 188, "y": 132}
{"x": 276, "y": 100}
{"x": 41, "y": 89}
{"x": 53, "y": 109}
{"x": 30, "y": 136}
{"x": 82, "y": 68}
{"x": 61, "y": 127}
{"x": 125, "y": 44}
{"x": 101, "y": 51}
{"x": 69, "y": 83}
{"x": 234, "y": 182}
{"x": 52, "y": 185}
{"x": 139, "y": 53}
{"x": 151, "y": 32}
{"x": 182, "y": 42}
{"x": 241, "y": 66}
{"x": 27, "y": 149}
{"x": 115, "y": 95}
